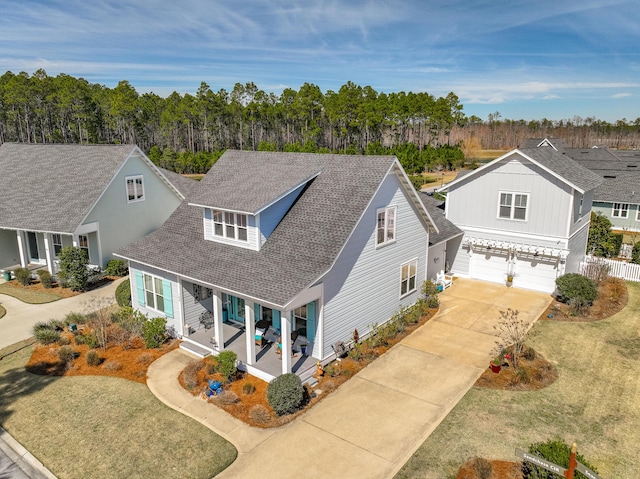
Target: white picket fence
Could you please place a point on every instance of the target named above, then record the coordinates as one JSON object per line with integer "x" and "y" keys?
{"x": 617, "y": 269}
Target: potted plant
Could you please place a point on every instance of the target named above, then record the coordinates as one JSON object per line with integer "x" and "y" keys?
{"x": 509, "y": 279}
{"x": 496, "y": 363}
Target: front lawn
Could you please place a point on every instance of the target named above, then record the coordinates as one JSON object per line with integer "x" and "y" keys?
{"x": 34, "y": 293}
{"x": 103, "y": 427}
{"x": 594, "y": 402}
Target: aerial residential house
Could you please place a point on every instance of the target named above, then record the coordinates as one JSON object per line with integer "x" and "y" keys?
{"x": 279, "y": 256}
{"x": 96, "y": 197}
{"x": 525, "y": 218}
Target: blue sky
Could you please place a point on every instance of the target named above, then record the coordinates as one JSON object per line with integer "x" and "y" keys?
{"x": 524, "y": 59}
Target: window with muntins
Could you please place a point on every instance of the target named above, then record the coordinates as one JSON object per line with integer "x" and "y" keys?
{"x": 153, "y": 292}
{"x": 300, "y": 320}
{"x": 135, "y": 189}
{"x": 408, "y": 273}
{"x": 620, "y": 210}
{"x": 83, "y": 244}
{"x": 386, "y": 225}
{"x": 227, "y": 224}
{"x": 57, "y": 243}
{"x": 513, "y": 206}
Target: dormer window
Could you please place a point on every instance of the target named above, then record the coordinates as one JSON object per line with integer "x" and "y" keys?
{"x": 227, "y": 224}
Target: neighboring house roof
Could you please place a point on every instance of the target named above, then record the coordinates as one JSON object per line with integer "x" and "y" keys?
{"x": 624, "y": 188}
{"x": 556, "y": 163}
{"x": 303, "y": 246}
{"x": 556, "y": 143}
{"x": 446, "y": 229}
{"x": 183, "y": 184}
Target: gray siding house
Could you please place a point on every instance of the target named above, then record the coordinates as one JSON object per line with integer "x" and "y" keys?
{"x": 96, "y": 197}
{"x": 525, "y": 217}
{"x": 306, "y": 247}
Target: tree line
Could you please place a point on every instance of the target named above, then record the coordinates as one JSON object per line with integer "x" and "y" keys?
{"x": 187, "y": 132}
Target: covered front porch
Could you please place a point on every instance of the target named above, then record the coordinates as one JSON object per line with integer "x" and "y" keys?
{"x": 268, "y": 363}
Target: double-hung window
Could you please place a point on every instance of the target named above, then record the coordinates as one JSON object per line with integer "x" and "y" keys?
{"x": 620, "y": 210}
{"x": 386, "y": 225}
{"x": 513, "y": 206}
{"x": 57, "y": 243}
{"x": 83, "y": 244}
{"x": 227, "y": 224}
{"x": 135, "y": 188}
{"x": 408, "y": 273}
{"x": 638, "y": 213}
{"x": 153, "y": 292}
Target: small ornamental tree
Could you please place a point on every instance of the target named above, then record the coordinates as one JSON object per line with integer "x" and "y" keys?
{"x": 73, "y": 267}
{"x": 512, "y": 331}
{"x": 635, "y": 253}
{"x": 285, "y": 394}
{"x": 601, "y": 242}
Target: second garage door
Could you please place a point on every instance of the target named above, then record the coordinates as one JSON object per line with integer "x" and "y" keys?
{"x": 490, "y": 266}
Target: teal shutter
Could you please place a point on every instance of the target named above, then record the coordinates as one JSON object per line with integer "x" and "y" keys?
{"x": 140, "y": 288}
{"x": 168, "y": 298}
{"x": 276, "y": 319}
{"x": 256, "y": 312}
{"x": 311, "y": 321}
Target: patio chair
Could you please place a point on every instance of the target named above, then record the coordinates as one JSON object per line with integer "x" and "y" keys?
{"x": 206, "y": 319}
{"x": 444, "y": 280}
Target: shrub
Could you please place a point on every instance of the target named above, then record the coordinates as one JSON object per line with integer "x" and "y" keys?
{"x": 23, "y": 276}
{"x": 46, "y": 280}
{"x": 123, "y": 293}
{"x": 635, "y": 253}
{"x": 117, "y": 267}
{"x": 145, "y": 358}
{"x": 529, "y": 354}
{"x": 112, "y": 366}
{"x": 64, "y": 341}
{"x": 190, "y": 374}
{"x": 248, "y": 388}
{"x": 92, "y": 358}
{"x": 573, "y": 285}
{"x": 79, "y": 339}
{"x": 211, "y": 365}
{"x": 91, "y": 340}
{"x": 285, "y": 394}
{"x": 227, "y": 364}
{"x": 578, "y": 306}
{"x": 429, "y": 292}
{"x": 73, "y": 267}
{"x": 482, "y": 468}
{"x": 75, "y": 318}
{"x": 259, "y": 414}
{"x": 227, "y": 398}
{"x": 46, "y": 335}
{"x": 66, "y": 354}
{"x": 57, "y": 324}
{"x": 556, "y": 451}
{"x": 154, "y": 332}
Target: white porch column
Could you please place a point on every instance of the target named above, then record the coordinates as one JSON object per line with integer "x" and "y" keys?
{"x": 285, "y": 328}
{"x": 22, "y": 248}
{"x": 217, "y": 321}
{"x": 250, "y": 331}
{"x": 48, "y": 244}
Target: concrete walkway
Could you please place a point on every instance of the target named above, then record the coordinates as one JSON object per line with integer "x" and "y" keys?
{"x": 17, "y": 323}
{"x": 374, "y": 422}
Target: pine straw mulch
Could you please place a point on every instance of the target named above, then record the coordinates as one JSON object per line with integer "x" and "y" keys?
{"x": 37, "y": 287}
{"x": 194, "y": 378}
{"x": 612, "y": 297}
{"x": 129, "y": 362}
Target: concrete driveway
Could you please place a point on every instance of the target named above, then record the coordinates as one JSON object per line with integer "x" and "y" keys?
{"x": 373, "y": 423}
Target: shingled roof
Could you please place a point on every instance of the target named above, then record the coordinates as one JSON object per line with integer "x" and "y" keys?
{"x": 624, "y": 188}
{"x": 446, "y": 229}
{"x": 183, "y": 184}
{"x": 303, "y": 246}
{"x": 49, "y": 187}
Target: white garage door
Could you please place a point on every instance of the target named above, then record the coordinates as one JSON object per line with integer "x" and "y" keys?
{"x": 490, "y": 266}
{"x": 538, "y": 274}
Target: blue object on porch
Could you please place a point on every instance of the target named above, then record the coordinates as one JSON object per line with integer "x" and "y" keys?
{"x": 440, "y": 288}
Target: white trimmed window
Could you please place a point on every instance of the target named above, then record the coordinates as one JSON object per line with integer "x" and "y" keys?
{"x": 300, "y": 320}
{"x": 638, "y": 213}
{"x": 386, "y": 225}
{"x": 408, "y": 273}
{"x": 83, "y": 243}
{"x": 227, "y": 224}
{"x": 620, "y": 210}
{"x": 135, "y": 188}
{"x": 513, "y": 206}
{"x": 153, "y": 292}
{"x": 57, "y": 243}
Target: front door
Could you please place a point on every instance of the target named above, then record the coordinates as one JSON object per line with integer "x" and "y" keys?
{"x": 34, "y": 257}
{"x": 236, "y": 309}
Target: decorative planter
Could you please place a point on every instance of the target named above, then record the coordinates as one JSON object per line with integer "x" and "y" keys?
{"x": 495, "y": 367}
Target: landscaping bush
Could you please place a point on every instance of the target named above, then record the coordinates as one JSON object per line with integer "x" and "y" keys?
{"x": 117, "y": 267}
{"x": 123, "y": 293}
{"x": 482, "y": 468}
{"x": 23, "y": 276}
{"x": 259, "y": 414}
{"x": 64, "y": 341}
{"x": 573, "y": 285}
{"x": 430, "y": 292}
{"x": 112, "y": 366}
{"x": 556, "y": 451}
{"x": 154, "y": 332}
{"x": 46, "y": 280}
{"x": 73, "y": 267}
{"x": 635, "y": 253}
{"x": 75, "y": 318}
{"x": 91, "y": 340}
{"x": 92, "y": 358}
{"x": 190, "y": 374}
{"x": 248, "y": 388}
{"x": 227, "y": 398}
{"x": 227, "y": 364}
{"x": 46, "y": 333}
{"x": 66, "y": 354}
{"x": 285, "y": 394}
{"x": 57, "y": 324}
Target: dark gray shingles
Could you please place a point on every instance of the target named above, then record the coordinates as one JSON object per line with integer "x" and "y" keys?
{"x": 446, "y": 228}
{"x": 301, "y": 248}
{"x": 183, "y": 184}
{"x": 563, "y": 166}
{"x": 625, "y": 188}
{"x": 52, "y": 187}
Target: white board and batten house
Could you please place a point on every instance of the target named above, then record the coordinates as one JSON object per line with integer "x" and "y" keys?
{"x": 525, "y": 217}
{"x": 305, "y": 247}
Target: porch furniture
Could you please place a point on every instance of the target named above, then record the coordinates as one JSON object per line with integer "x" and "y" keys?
{"x": 271, "y": 335}
{"x": 444, "y": 280}
{"x": 261, "y": 328}
{"x": 206, "y": 319}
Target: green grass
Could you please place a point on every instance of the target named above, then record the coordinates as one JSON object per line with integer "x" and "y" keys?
{"x": 26, "y": 296}
{"x": 594, "y": 402}
{"x": 2, "y": 311}
{"x": 99, "y": 427}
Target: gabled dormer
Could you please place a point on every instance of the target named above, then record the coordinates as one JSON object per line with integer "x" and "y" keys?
{"x": 242, "y": 204}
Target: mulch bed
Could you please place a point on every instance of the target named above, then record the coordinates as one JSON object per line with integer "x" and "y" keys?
{"x": 499, "y": 470}
{"x": 537, "y": 373}
{"x": 56, "y": 289}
